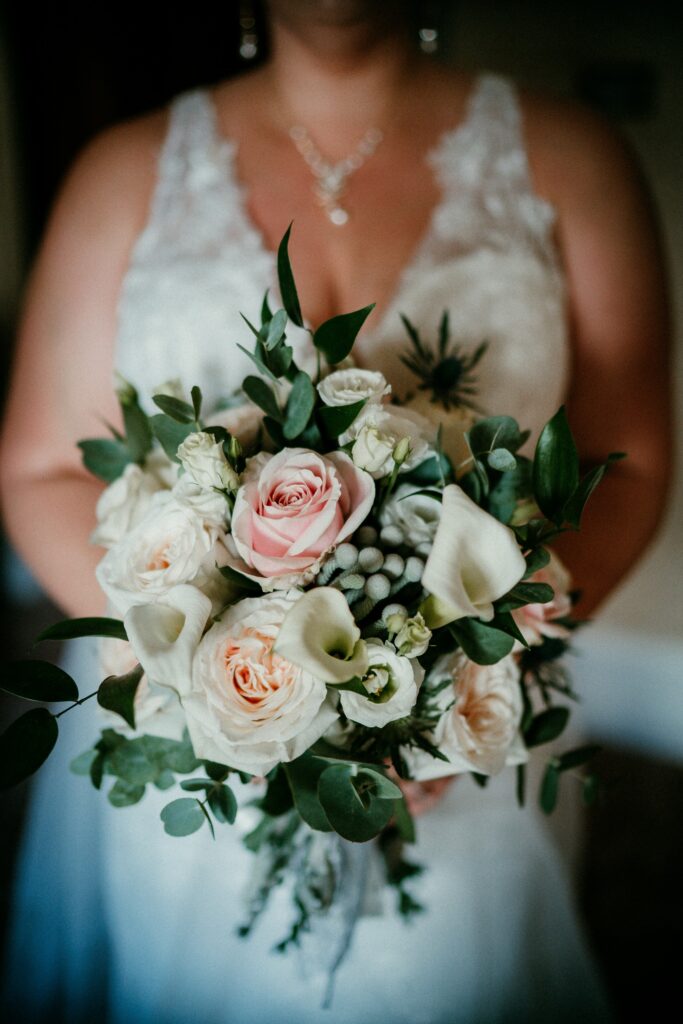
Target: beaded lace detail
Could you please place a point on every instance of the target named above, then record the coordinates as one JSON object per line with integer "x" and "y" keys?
{"x": 488, "y": 256}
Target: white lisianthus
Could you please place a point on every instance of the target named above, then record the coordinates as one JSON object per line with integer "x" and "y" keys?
{"x": 320, "y": 634}
{"x": 412, "y": 639}
{"x": 479, "y": 728}
{"x": 203, "y": 458}
{"x": 345, "y": 387}
{"x": 249, "y": 707}
{"x": 124, "y": 504}
{"x": 165, "y": 634}
{"x": 209, "y": 504}
{"x": 171, "y": 545}
{"x": 158, "y": 711}
{"x": 391, "y": 683}
{"x": 415, "y": 515}
{"x": 474, "y": 560}
{"x": 378, "y": 429}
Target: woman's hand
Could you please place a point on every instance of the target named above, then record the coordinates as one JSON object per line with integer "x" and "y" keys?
{"x": 422, "y": 796}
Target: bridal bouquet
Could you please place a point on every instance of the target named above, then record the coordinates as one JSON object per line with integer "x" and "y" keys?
{"x": 326, "y": 592}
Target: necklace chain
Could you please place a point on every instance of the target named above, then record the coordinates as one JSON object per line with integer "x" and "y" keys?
{"x": 331, "y": 179}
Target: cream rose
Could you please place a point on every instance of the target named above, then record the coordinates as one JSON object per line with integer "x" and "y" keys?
{"x": 250, "y": 708}
{"x": 171, "y": 545}
{"x": 124, "y": 504}
{"x": 209, "y": 505}
{"x": 538, "y": 620}
{"x": 378, "y": 429}
{"x": 345, "y": 387}
{"x": 391, "y": 684}
{"x": 293, "y": 508}
{"x": 479, "y": 732}
{"x": 203, "y": 459}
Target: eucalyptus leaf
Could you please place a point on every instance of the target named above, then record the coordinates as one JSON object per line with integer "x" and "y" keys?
{"x": 275, "y": 331}
{"x": 404, "y": 821}
{"x": 131, "y": 762}
{"x": 105, "y": 458}
{"x": 290, "y": 298}
{"x": 124, "y": 794}
{"x": 182, "y": 817}
{"x": 117, "y": 694}
{"x": 196, "y": 785}
{"x": 280, "y": 360}
{"x": 223, "y": 803}
{"x": 549, "y": 789}
{"x": 556, "y": 467}
{"x": 258, "y": 362}
{"x": 300, "y": 405}
{"x": 262, "y": 395}
{"x": 494, "y": 433}
{"x": 266, "y": 313}
{"x": 350, "y": 803}
{"x": 335, "y": 337}
{"x": 511, "y": 487}
{"x": 523, "y": 594}
{"x": 70, "y": 629}
{"x": 335, "y": 419}
{"x": 174, "y": 407}
{"x": 170, "y": 434}
{"x": 81, "y": 765}
{"x": 576, "y": 758}
{"x": 502, "y": 460}
{"x": 33, "y": 679}
{"x": 303, "y": 775}
{"x": 278, "y": 798}
{"x": 536, "y": 560}
{"x": 480, "y": 642}
{"x": 25, "y": 745}
{"x": 546, "y": 726}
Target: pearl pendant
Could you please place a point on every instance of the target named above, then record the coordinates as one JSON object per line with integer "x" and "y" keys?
{"x": 338, "y": 215}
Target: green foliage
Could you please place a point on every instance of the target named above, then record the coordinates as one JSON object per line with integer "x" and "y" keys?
{"x": 136, "y": 424}
{"x": 480, "y": 641}
{"x": 335, "y": 338}
{"x": 25, "y": 745}
{"x": 303, "y": 775}
{"x": 196, "y": 396}
{"x": 546, "y": 726}
{"x": 525, "y": 593}
{"x": 33, "y": 679}
{"x": 70, "y": 629}
{"x": 510, "y": 487}
{"x": 300, "y": 405}
{"x": 556, "y": 468}
{"x": 262, "y": 394}
{"x": 358, "y": 803}
{"x": 117, "y": 694}
{"x": 501, "y": 460}
{"x": 535, "y": 560}
{"x": 496, "y": 433}
{"x": 239, "y": 580}
{"x": 223, "y": 803}
{"x": 175, "y": 408}
{"x": 169, "y": 433}
{"x": 182, "y": 817}
{"x": 290, "y": 298}
{"x": 124, "y": 794}
{"x": 549, "y": 788}
{"x": 105, "y": 458}
{"x": 335, "y": 419}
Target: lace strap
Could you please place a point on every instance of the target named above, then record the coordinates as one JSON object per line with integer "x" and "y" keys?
{"x": 484, "y": 172}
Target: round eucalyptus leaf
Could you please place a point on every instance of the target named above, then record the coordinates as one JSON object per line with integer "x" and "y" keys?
{"x": 34, "y": 679}
{"x": 182, "y": 817}
{"x": 223, "y": 803}
{"x": 502, "y": 460}
{"x": 123, "y": 794}
{"x": 25, "y": 745}
{"x": 351, "y": 804}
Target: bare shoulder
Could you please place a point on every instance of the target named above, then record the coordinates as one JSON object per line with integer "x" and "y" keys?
{"x": 578, "y": 158}
{"x": 113, "y": 176}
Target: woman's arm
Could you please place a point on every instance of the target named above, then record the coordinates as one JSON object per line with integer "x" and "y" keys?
{"x": 62, "y": 388}
{"x": 619, "y": 398}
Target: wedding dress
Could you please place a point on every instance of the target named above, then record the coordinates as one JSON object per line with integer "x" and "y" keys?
{"x": 112, "y": 915}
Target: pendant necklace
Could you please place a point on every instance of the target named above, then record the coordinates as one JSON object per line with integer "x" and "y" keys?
{"x": 331, "y": 179}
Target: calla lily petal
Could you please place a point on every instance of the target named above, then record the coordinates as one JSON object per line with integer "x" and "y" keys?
{"x": 474, "y": 560}
{"x": 165, "y": 634}
{"x": 320, "y": 635}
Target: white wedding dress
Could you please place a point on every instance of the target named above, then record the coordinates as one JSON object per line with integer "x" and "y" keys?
{"x": 113, "y": 916}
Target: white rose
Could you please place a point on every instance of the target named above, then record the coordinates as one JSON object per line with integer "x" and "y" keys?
{"x": 391, "y": 682}
{"x": 124, "y": 504}
{"x": 209, "y": 505}
{"x": 412, "y": 639}
{"x": 382, "y": 427}
{"x": 202, "y": 457}
{"x": 249, "y": 707}
{"x": 415, "y": 515}
{"x": 345, "y": 387}
{"x": 480, "y": 731}
{"x": 474, "y": 560}
{"x": 171, "y": 545}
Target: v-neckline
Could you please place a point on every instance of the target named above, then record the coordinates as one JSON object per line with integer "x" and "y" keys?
{"x": 448, "y": 140}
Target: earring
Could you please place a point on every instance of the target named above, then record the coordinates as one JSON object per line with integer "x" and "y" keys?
{"x": 429, "y": 40}
{"x": 428, "y": 19}
{"x": 248, "y": 34}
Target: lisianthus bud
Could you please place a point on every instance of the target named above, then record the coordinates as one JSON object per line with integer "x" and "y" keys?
{"x": 412, "y": 639}
{"x": 402, "y": 451}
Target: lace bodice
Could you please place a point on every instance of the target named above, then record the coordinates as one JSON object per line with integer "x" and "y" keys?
{"x": 487, "y": 256}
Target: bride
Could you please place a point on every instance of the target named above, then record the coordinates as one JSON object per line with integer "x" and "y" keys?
{"x": 527, "y": 220}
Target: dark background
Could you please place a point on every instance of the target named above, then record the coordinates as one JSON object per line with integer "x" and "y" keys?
{"x": 72, "y": 70}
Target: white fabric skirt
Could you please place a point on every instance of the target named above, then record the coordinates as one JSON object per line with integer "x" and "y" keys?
{"x": 112, "y": 917}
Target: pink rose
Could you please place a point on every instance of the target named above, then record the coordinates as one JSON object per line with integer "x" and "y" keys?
{"x": 294, "y": 507}
{"x": 538, "y": 620}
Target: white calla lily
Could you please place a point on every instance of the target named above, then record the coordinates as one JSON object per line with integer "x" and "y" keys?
{"x": 165, "y": 634}
{"x": 320, "y": 635}
{"x": 474, "y": 560}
